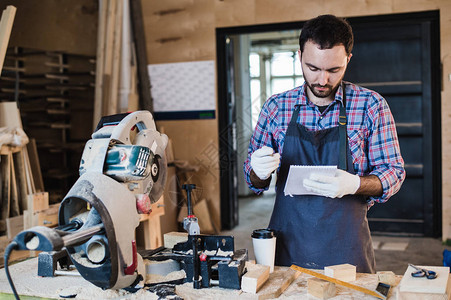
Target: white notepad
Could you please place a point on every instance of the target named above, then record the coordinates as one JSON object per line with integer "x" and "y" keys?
{"x": 297, "y": 174}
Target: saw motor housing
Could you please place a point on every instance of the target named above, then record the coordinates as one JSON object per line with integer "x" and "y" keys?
{"x": 122, "y": 172}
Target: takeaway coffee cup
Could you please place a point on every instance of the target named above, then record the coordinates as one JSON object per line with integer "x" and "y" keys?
{"x": 264, "y": 242}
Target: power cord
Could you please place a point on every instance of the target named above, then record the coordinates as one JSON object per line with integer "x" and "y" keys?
{"x": 13, "y": 245}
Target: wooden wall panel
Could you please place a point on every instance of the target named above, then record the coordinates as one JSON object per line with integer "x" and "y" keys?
{"x": 58, "y": 25}
{"x": 196, "y": 141}
{"x": 180, "y": 32}
{"x": 229, "y": 13}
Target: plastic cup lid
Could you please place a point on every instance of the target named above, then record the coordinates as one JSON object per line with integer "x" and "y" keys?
{"x": 263, "y": 233}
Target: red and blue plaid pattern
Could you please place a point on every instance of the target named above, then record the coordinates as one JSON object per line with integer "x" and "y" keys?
{"x": 372, "y": 136}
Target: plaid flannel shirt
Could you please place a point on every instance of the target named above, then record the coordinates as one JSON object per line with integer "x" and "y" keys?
{"x": 372, "y": 136}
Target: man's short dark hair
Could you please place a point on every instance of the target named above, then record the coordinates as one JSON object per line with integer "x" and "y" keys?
{"x": 327, "y": 31}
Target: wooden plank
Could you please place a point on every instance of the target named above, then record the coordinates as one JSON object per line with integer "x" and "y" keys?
{"x": 33, "y": 163}
{"x": 6, "y": 25}
{"x": 321, "y": 289}
{"x": 126, "y": 63}
{"x": 424, "y": 285}
{"x": 14, "y": 201}
{"x": 425, "y": 296}
{"x": 103, "y": 9}
{"x": 116, "y": 61}
{"x": 254, "y": 279}
{"x": 108, "y": 56}
{"x": 141, "y": 55}
{"x": 14, "y": 225}
{"x": 19, "y": 168}
{"x": 278, "y": 282}
{"x": 38, "y": 201}
{"x": 47, "y": 217}
{"x": 158, "y": 207}
{"x": 133, "y": 97}
{"x": 149, "y": 233}
{"x": 27, "y": 219}
{"x": 6, "y": 186}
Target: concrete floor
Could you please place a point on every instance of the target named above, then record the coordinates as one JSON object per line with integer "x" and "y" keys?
{"x": 392, "y": 253}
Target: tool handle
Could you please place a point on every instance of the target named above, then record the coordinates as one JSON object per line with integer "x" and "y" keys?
{"x": 337, "y": 281}
{"x": 189, "y": 188}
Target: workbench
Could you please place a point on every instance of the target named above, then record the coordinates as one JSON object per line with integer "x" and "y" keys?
{"x": 24, "y": 275}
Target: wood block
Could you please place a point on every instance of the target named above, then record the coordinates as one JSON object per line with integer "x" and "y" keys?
{"x": 254, "y": 279}
{"x": 321, "y": 288}
{"x": 14, "y": 225}
{"x": 38, "y": 201}
{"x": 387, "y": 277}
{"x": 47, "y": 217}
{"x": 278, "y": 282}
{"x": 344, "y": 272}
{"x": 172, "y": 238}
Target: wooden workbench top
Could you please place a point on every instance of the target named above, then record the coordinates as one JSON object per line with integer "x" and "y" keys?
{"x": 24, "y": 275}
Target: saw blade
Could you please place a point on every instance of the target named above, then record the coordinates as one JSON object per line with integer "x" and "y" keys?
{"x": 158, "y": 186}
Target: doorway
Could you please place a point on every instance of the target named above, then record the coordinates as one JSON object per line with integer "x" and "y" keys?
{"x": 395, "y": 55}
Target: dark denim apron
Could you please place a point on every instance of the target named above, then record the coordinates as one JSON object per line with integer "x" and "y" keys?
{"x": 315, "y": 231}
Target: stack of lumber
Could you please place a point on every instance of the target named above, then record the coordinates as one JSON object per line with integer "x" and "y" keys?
{"x": 54, "y": 92}
{"x": 119, "y": 60}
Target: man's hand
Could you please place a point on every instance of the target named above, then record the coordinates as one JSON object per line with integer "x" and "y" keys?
{"x": 264, "y": 161}
{"x": 343, "y": 183}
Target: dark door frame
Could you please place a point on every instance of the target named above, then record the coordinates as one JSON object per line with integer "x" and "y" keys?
{"x": 226, "y": 114}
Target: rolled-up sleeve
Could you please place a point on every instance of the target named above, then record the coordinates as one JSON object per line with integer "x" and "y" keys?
{"x": 384, "y": 155}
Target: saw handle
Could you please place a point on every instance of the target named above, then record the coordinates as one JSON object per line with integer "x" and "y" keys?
{"x": 189, "y": 188}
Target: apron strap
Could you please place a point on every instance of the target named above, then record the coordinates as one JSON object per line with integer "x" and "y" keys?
{"x": 343, "y": 134}
{"x": 342, "y": 122}
{"x": 294, "y": 117}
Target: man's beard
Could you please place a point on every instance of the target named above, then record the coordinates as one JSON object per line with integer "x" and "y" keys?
{"x": 322, "y": 94}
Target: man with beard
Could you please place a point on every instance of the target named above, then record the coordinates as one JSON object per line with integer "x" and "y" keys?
{"x": 326, "y": 121}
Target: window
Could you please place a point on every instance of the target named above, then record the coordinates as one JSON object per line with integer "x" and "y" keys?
{"x": 271, "y": 73}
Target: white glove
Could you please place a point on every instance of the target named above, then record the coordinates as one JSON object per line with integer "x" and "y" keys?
{"x": 264, "y": 161}
{"x": 343, "y": 183}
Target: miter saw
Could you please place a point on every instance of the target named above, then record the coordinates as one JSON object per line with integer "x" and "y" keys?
{"x": 122, "y": 172}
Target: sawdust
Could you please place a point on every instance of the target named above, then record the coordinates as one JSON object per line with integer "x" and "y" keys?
{"x": 218, "y": 252}
{"x": 155, "y": 278}
{"x": 186, "y": 291}
{"x": 83, "y": 260}
{"x": 224, "y": 253}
